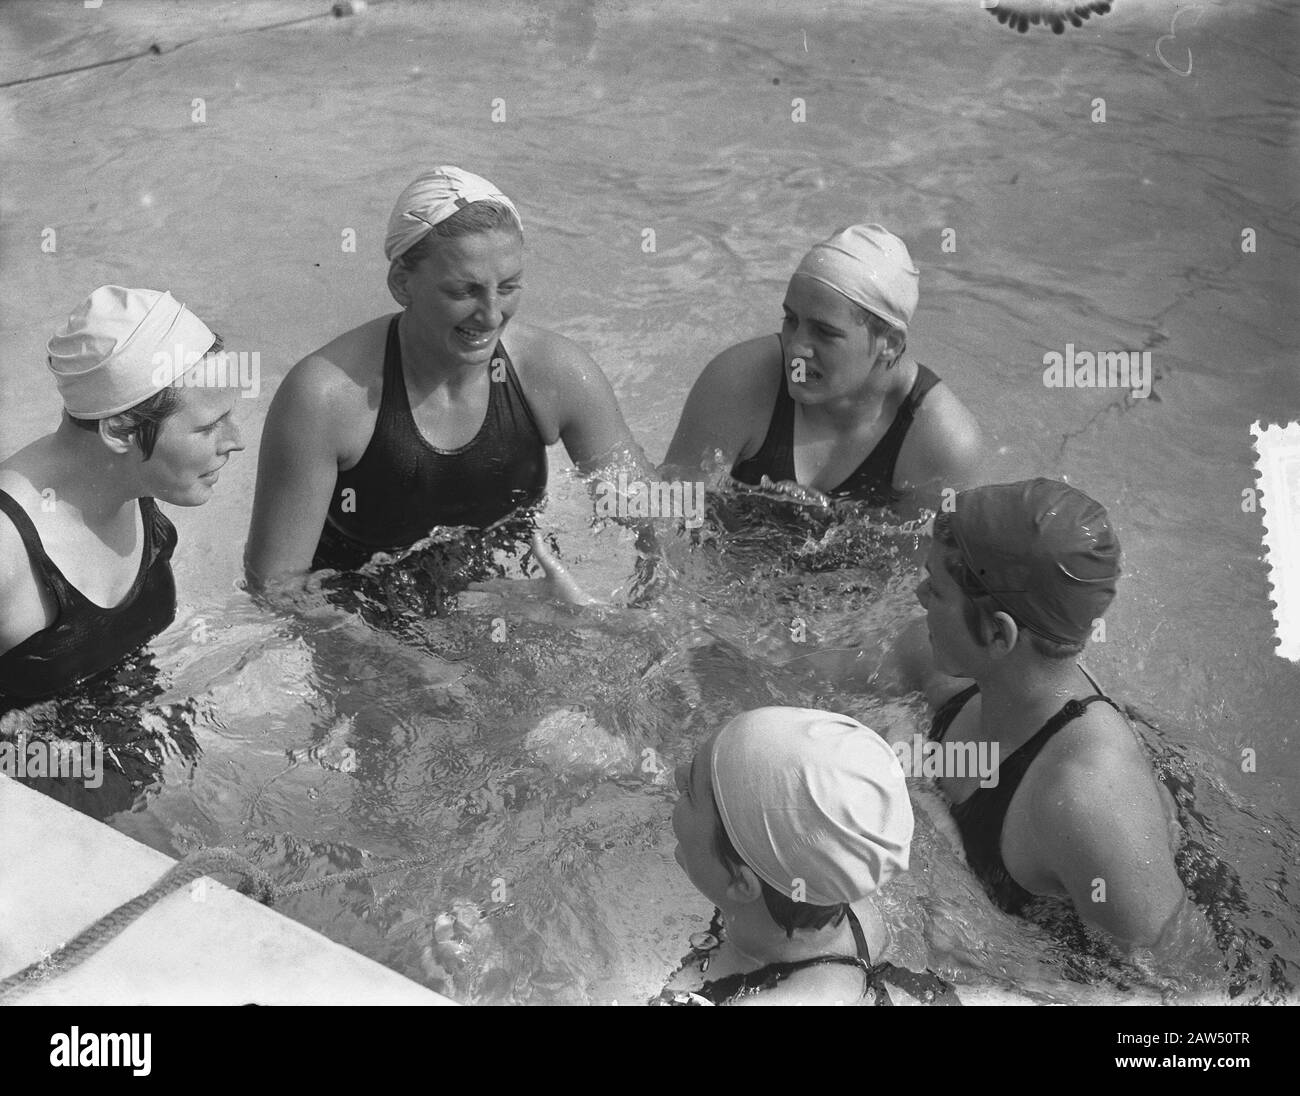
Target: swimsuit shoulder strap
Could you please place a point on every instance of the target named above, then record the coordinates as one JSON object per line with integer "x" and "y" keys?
{"x": 948, "y": 712}
{"x": 775, "y": 457}
{"x": 51, "y": 577}
{"x": 926, "y": 379}
{"x": 873, "y": 479}
{"x": 159, "y": 532}
{"x": 1100, "y": 692}
{"x": 859, "y": 937}
{"x": 926, "y": 986}
{"x": 1070, "y": 711}
{"x": 733, "y": 986}
{"x": 393, "y": 402}
{"x": 509, "y": 409}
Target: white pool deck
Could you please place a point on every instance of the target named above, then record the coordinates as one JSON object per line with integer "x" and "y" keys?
{"x": 202, "y": 945}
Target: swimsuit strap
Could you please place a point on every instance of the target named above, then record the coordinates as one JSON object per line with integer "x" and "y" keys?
{"x": 507, "y": 418}
{"x": 948, "y": 712}
{"x": 982, "y": 814}
{"x": 925, "y": 986}
{"x": 404, "y": 485}
{"x": 510, "y": 402}
{"x": 158, "y": 536}
{"x": 859, "y": 937}
{"x": 747, "y": 983}
{"x": 872, "y": 481}
{"x": 874, "y": 477}
{"x": 394, "y": 404}
{"x": 63, "y": 592}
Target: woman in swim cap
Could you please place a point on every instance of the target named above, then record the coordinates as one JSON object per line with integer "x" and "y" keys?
{"x": 85, "y": 552}
{"x": 788, "y": 820}
{"x": 832, "y": 402}
{"x": 439, "y": 414}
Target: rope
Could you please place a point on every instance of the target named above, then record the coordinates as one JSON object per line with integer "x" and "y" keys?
{"x": 156, "y": 50}
{"x": 256, "y": 884}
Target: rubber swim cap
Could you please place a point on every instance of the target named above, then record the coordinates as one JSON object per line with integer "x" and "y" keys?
{"x": 871, "y": 267}
{"x": 1043, "y": 550}
{"x": 121, "y": 346}
{"x": 812, "y": 796}
{"x": 430, "y": 200}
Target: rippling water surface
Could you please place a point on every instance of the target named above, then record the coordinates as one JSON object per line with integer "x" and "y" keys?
{"x": 520, "y": 766}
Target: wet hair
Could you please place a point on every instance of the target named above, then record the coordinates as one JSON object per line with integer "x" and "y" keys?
{"x": 879, "y": 328}
{"x": 980, "y": 604}
{"x": 144, "y": 421}
{"x": 484, "y": 215}
{"x": 785, "y": 911}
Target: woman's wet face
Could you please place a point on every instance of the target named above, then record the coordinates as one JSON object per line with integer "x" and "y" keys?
{"x": 829, "y": 350}
{"x": 465, "y": 291}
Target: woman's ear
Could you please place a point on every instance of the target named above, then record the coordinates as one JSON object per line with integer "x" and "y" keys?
{"x": 745, "y": 885}
{"x": 1002, "y": 634}
{"x": 895, "y": 344}
{"x": 397, "y": 274}
{"x": 115, "y": 434}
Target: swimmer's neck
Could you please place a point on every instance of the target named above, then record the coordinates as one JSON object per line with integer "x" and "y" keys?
{"x": 426, "y": 365}
{"x": 1020, "y": 693}
{"x": 86, "y": 477}
{"x": 755, "y": 940}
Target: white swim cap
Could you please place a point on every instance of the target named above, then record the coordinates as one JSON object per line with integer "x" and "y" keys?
{"x": 869, "y": 265}
{"x": 430, "y": 200}
{"x": 122, "y": 346}
{"x": 815, "y": 797}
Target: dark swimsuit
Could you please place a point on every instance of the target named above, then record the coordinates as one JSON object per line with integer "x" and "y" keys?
{"x": 402, "y": 487}
{"x": 873, "y": 480}
{"x": 927, "y": 987}
{"x": 981, "y": 815}
{"x": 84, "y": 638}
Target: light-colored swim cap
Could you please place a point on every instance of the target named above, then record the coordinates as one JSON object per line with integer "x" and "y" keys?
{"x": 122, "y": 346}
{"x": 869, "y": 265}
{"x": 430, "y": 200}
{"x": 812, "y": 796}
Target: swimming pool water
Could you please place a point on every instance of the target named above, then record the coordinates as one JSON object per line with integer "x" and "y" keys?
{"x": 324, "y": 738}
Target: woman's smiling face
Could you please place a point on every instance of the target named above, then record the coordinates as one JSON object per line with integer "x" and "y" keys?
{"x": 464, "y": 293}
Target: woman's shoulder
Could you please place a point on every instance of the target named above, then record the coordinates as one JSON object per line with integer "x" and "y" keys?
{"x": 944, "y": 443}
{"x": 749, "y": 359}
{"x": 345, "y": 374}
{"x": 536, "y": 348}
{"x": 354, "y": 359}
{"x": 743, "y": 378}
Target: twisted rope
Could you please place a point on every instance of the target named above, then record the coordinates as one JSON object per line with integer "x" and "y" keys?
{"x": 256, "y": 884}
